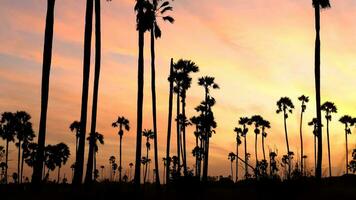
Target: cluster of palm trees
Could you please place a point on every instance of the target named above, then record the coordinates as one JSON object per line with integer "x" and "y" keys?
{"x": 285, "y": 106}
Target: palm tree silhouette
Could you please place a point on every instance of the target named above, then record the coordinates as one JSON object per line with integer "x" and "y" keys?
{"x": 112, "y": 162}
{"x": 7, "y": 133}
{"x": 347, "y": 121}
{"x": 149, "y": 134}
{"x": 96, "y": 137}
{"x": 264, "y": 124}
{"x": 207, "y": 83}
{"x": 61, "y": 154}
{"x": 169, "y": 127}
{"x": 46, "y": 68}
{"x": 314, "y": 123}
{"x": 75, "y": 128}
{"x": 304, "y": 99}
{"x": 231, "y": 157}
{"x": 256, "y": 120}
{"x": 91, "y": 152}
{"x": 122, "y": 123}
{"x": 318, "y": 4}
{"x": 238, "y": 142}
{"x": 273, "y": 163}
{"x": 78, "y": 173}
{"x": 329, "y": 108}
{"x": 157, "y": 9}
{"x": 286, "y": 106}
{"x": 243, "y": 122}
{"x": 143, "y": 25}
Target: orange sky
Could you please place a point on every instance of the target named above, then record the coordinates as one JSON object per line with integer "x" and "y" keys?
{"x": 257, "y": 50}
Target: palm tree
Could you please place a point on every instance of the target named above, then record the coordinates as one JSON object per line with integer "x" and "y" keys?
{"x": 61, "y": 154}
{"x": 122, "y": 123}
{"x": 304, "y": 99}
{"x": 208, "y": 83}
{"x": 149, "y": 134}
{"x": 243, "y": 122}
{"x": 46, "y": 68}
{"x": 314, "y": 123}
{"x": 286, "y": 106}
{"x": 7, "y": 133}
{"x": 112, "y": 161}
{"x": 143, "y": 24}
{"x": 318, "y": 4}
{"x": 257, "y": 121}
{"x": 265, "y": 124}
{"x": 238, "y": 142}
{"x": 231, "y": 157}
{"x": 91, "y": 152}
{"x": 75, "y": 128}
{"x": 347, "y": 121}
{"x": 158, "y": 8}
{"x": 96, "y": 137}
{"x": 329, "y": 108}
{"x": 169, "y": 127}
{"x": 78, "y": 173}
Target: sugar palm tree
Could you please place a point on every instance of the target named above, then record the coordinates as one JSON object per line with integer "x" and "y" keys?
{"x": 122, "y": 123}
{"x": 348, "y": 121}
{"x": 75, "y": 128}
{"x": 78, "y": 173}
{"x": 61, "y": 154}
{"x": 243, "y": 130}
{"x": 318, "y": 5}
{"x": 96, "y": 137}
{"x": 256, "y": 121}
{"x": 285, "y": 106}
{"x": 46, "y": 68}
{"x": 264, "y": 125}
{"x": 231, "y": 157}
{"x": 158, "y": 10}
{"x": 149, "y": 134}
{"x": 7, "y": 133}
{"x": 304, "y": 100}
{"x": 314, "y": 123}
{"x": 91, "y": 152}
{"x": 238, "y": 143}
{"x": 208, "y": 83}
{"x": 142, "y": 25}
{"x": 169, "y": 127}
{"x": 328, "y": 108}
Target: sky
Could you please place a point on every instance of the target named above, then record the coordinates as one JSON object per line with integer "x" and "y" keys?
{"x": 258, "y": 51}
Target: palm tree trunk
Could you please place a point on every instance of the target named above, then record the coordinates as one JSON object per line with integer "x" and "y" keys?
{"x": 46, "y": 68}
{"x": 154, "y": 110}
{"x": 140, "y": 85}
{"x": 59, "y": 173}
{"x": 18, "y": 162}
{"x": 22, "y": 162}
{"x": 263, "y": 148}
{"x": 120, "y": 158}
{"x": 237, "y": 162}
{"x": 256, "y": 151}
{"x": 144, "y": 179}
{"x": 78, "y": 173}
{"x": 317, "y": 92}
{"x": 246, "y": 167}
{"x": 347, "y": 152}
{"x": 89, "y": 172}
{"x": 6, "y": 159}
{"x": 196, "y": 155}
{"x": 329, "y": 156}
{"x": 169, "y": 127}
{"x": 183, "y": 131}
{"x": 315, "y": 152}
{"x": 178, "y": 128}
{"x": 301, "y": 143}
{"x": 232, "y": 171}
{"x": 286, "y": 134}
{"x": 206, "y": 146}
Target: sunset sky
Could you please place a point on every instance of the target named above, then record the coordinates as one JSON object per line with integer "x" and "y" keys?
{"x": 258, "y": 51}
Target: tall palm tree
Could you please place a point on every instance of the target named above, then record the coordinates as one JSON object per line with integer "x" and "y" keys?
{"x": 207, "y": 83}
{"x": 143, "y": 24}
{"x": 314, "y": 123}
{"x": 149, "y": 134}
{"x": 96, "y": 137}
{"x": 169, "y": 127}
{"x": 7, "y": 133}
{"x": 61, "y": 155}
{"x": 75, "y": 128}
{"x": 347, "y": 121}
{"x": 122, "y": 123}
{"x": 243, "y": 122}
{"x": 238, "y": 143}
{"x": 303, "y": 99}
{"x": 328, "y": 108}
{"x": 78, "y": 173}
{"x": 91, "y": 152}
{"x": 46, "y": 68}
{"x": 231, "y": 157}
{"x": 285, "y": 106}
{"x": 265, "y": 125}
{"x": 158, "y": 8}
{"x": 256, "y": 120}
{"x": 318, "y": 4}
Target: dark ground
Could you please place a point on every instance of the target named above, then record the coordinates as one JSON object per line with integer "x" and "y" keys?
{"x": 338, "y": 188}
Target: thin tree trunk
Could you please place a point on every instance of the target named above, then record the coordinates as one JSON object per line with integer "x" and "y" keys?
{"x": 232, "y": 171}
{"x": 246, "y": 162}
{"x": 317, "y": 92}
{"x": 256, "y": 151}
{"x": 183, "y": 131}
{"x": 89, "y": 172}
{"x": 315, "y": 152}
{"x": 206, "y": 146}
{"x": 6, "y": 159}
{"x": 169, "y": 127}
{"x": 196, "y": 155}
{"x": 78, "y": 173}
{"x": 154, "y": 109}
{"x": 59, "y": 173}
{"x": 301, "y": 141}
{"x": 237, "y": 162}
{"x": 22, "y": 162}
{"x": 178, "y": 127}
{"x": 329, "y": 156}
{"x": 46, "y": 68}
{"x": 140, "y": 85}
{"x": 18, "y": 163}
{"x": 286, "y": 134}
{"x": 263, "y": 147}
{"x": 347, "y": 152}
{"x": 120, "y": 157}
